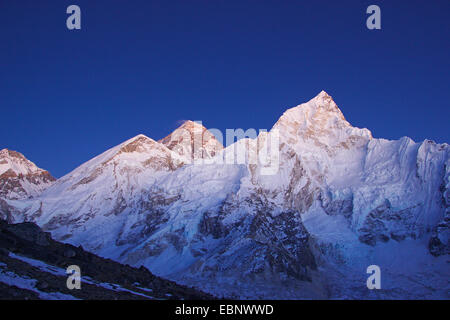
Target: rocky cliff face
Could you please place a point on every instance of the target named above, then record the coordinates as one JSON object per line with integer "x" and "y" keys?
{"x": 440, "y": 240}
{"x": 338, "y": 201}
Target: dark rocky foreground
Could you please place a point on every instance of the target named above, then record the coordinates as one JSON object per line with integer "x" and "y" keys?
{"x": 44, "y": 276}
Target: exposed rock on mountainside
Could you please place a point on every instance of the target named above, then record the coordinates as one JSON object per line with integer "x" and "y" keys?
{"x": 20, "y": 178}
{"x": 33, "y": 266}
{"x": 440, "y": 239}
{"x": 192, "y": 141}
{"x": 338, "y": 201}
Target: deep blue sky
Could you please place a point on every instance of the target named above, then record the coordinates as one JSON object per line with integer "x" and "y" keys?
{"x": 141, "y": 66}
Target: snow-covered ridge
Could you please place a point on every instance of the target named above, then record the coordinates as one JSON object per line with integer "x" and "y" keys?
{"x": 319, "y": 122}
{"x": 192, "y": 141}
{"x": 339, "y": 199}
{"x": 21, "y": 178}
{"x": 16, "y": 163}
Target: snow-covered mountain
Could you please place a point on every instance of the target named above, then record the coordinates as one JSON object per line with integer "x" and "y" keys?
{"x": 338, "y": 201}
{"x": 21, "y": 178}
{"x": 192, "y": 141}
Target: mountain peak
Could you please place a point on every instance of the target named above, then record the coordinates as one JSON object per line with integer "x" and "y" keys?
{"x": 139, "y": 143}
{"x": 326, "y": 103}
{"x": 11, "y": 153}
{"x": 188, "y": 123}
{"x": 19, "y": 177}
{"x": 319, "y": 112}
{"x": 323, "y": 93}
{"x": 191, "y": 126}
{"x": 15, "y": 162}
{"x": 319, "y": 120}
{"x": 192, "y": 141}
{"x": 139, "y": 137}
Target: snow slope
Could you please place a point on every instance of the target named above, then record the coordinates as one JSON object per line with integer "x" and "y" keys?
{"x": 337, "y": 201}
{"x": 20, "y": 178}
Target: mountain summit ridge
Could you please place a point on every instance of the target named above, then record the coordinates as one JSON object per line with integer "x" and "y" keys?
{"x": 192, "y": 141}
{"x": 21, "y": 178}
{"x": 340, "y": 201}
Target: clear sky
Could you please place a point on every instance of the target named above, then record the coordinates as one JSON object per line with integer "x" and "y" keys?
{"x": 142, "y": 66}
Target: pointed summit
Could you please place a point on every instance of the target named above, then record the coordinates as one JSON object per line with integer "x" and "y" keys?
{"x": 191, "y": 124}
{"x": 325, "y": 103}
{"x": 121, "y": 168}
{"x": 320, "y": 121}
{"x": 139, "y": 143}
{"x": 192, "y": 141}
{"x": 21, "y": 178}
{"x": 14, "y": 157}
{"x": 318, "y": 113}
{"x": 16, "y": 162}
{"x": 323, "y": 93}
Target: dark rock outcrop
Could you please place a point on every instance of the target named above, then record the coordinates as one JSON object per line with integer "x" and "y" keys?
{"x": 27, "y": 240}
